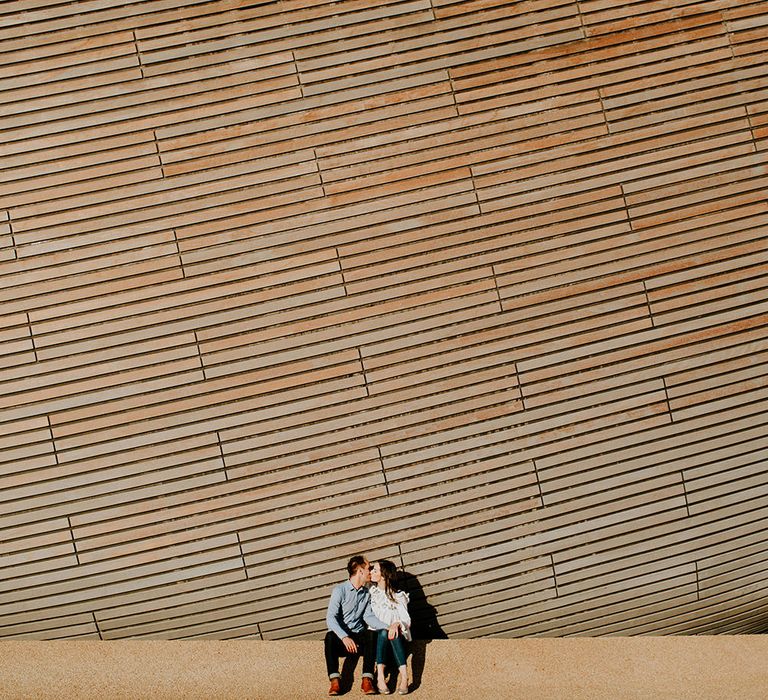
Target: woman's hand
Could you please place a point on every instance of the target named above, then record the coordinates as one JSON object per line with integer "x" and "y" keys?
{"x": 394, "y": 630}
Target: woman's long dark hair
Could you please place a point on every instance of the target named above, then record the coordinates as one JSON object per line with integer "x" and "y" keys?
{"x": 390, "y": 577}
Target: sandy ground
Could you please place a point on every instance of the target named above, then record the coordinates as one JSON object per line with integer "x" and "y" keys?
{"x": 698, "y": 668}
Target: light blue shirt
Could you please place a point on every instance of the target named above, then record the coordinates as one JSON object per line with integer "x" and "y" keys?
{"x": 349, "y": 610}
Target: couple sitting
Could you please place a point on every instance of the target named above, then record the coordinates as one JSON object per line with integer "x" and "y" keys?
{"x": 368, "y": 620}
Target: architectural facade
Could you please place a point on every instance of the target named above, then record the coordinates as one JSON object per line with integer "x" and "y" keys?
{"x": 480, "y": 287}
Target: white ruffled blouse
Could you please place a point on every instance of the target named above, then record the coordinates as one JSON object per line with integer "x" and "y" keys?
{"x": 388, "y": 610}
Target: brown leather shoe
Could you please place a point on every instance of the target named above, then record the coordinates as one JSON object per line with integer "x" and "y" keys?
{"x": 335, "y": 688}
{"x": 367, "y": 686}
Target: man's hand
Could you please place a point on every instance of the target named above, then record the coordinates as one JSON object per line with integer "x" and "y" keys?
{"x": 394, "y": 630}
{"x": 349, "y": 645}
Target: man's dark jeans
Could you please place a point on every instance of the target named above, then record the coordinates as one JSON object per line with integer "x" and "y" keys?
{"x": 334, "y": 648}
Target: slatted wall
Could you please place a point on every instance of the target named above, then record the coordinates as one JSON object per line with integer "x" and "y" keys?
{"x": 477, "y": 286}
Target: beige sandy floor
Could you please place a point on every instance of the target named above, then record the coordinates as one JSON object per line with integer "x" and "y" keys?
{"x": 658, "y": 668}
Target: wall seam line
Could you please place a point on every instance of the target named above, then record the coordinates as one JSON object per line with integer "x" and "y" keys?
{"x": 72, "y": 536}
{"x": 138, "y": 53}
{"x": 383, "y": 470}
{"x": 96, "y": 623}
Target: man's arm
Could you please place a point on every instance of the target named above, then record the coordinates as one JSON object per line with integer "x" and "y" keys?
{"x": 370, "y": 619}
{"x": 334, "y": 617}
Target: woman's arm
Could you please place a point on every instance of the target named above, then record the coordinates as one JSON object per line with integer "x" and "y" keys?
{"x": 402, "y": 608}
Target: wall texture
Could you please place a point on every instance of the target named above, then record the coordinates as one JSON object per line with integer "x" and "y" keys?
{"x": 478, "y": 286}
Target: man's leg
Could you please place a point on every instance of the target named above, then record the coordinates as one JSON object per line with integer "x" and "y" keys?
{"x": 366, "y": 645}
{"x": 333, "y": 650}
{"x": 368, "y": 639}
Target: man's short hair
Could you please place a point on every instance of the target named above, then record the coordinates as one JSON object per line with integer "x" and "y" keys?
{"x": 355, "y": 563}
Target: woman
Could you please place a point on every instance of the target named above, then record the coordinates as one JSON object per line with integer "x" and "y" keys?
{"x": 390, "y": 605}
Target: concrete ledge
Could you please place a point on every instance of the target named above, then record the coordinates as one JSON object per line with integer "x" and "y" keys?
{"x": 616, "y": 668}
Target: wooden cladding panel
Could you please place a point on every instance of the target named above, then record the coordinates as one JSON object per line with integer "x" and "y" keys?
{"x": 479, "y": 287}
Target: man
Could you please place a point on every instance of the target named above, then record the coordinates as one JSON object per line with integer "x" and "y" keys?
{"x": 349, "y": 616}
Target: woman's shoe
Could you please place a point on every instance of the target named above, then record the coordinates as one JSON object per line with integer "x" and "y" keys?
{"x": 402, "y": 685}
{"x": 382, "y": 687}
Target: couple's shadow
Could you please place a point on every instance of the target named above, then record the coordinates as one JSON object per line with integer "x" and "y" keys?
{"x": 424, "y": 628}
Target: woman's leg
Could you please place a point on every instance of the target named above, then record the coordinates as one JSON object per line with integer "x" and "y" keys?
{"x": 399, "y": 651}
{"x": 381, "y": 652}
{"x": 381, "y": 647}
